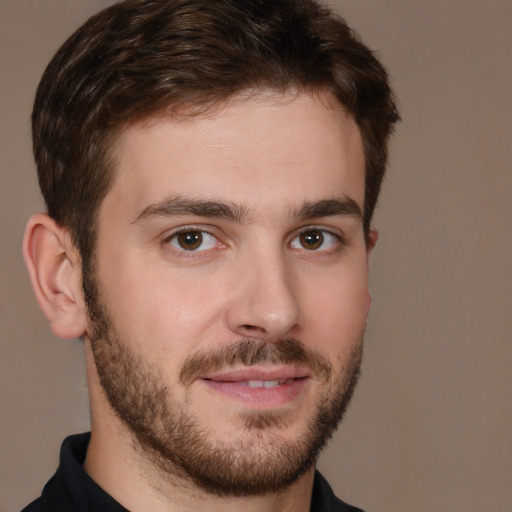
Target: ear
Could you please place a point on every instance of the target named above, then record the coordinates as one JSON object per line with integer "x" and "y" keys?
{"x": 54, "y": 266}
{"x": 371, "y": 240}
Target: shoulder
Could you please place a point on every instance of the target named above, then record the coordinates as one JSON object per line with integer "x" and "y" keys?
{"x": 324, "y": 499}
{"x": 36, "y": 506}
{"x": 57, "y": 494}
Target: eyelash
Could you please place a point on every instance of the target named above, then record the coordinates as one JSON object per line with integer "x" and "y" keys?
{"x": 184, "y": 253}
{"x": 336, "y": 238}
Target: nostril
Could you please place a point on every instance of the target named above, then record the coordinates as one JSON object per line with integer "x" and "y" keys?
{"x": 252, "y": 328}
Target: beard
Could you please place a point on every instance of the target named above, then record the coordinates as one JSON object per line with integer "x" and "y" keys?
{"x": 256, "y": 459}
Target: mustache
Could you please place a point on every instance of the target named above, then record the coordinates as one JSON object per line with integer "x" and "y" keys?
{"x": 249, "y": 352}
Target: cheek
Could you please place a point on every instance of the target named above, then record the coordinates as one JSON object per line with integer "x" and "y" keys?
{"x": 173, "y": 314}
{"x": 335, "y": 312}
{"x": 167, "y": 312}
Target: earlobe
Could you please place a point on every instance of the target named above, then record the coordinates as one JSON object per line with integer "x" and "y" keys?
{"x": 55, "y": 273}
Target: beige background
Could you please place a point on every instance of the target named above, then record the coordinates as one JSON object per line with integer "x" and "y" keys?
{"x": 431, "y": 424}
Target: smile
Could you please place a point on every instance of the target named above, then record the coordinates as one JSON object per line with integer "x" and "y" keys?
{"x": 258, "y": 389}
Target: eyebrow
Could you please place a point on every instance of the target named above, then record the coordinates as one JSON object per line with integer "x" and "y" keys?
{"x": 179, "y": 206}
{"x": 343, "y": 206}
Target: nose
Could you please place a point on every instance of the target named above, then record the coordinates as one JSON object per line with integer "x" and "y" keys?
{"x": 265, "y": 304}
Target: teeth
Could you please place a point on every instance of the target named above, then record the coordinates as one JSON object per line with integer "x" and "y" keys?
{"x": 263, "y": 383}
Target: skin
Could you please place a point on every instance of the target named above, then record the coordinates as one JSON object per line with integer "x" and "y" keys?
{"x": 251, "y": 278}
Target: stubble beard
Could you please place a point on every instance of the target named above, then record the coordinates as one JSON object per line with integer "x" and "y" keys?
{"x": 180, "y": 447}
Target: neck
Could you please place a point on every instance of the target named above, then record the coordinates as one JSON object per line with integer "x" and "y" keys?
{"x": 136, "y": 485}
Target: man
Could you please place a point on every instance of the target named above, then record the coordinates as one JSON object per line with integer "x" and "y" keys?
{"x": 210, "y": 169}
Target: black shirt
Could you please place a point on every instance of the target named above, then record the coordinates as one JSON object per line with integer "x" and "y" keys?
{"x": 71, "y": 489}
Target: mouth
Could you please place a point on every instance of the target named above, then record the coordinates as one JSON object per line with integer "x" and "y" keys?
{"x": 260, "y": 388}
{"x": 264, "y": 383}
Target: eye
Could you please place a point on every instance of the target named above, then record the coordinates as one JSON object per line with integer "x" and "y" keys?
{"x": 315, "y": 240}
{"x": 193, "y": 240}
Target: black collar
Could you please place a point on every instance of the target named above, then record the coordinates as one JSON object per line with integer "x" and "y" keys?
{"x": 72, "y": 489}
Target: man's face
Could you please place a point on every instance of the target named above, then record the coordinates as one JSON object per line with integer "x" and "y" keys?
{"x": 231, "y": 271}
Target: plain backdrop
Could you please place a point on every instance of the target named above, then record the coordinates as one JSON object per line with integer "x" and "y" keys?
{"x": 430, "y": 427}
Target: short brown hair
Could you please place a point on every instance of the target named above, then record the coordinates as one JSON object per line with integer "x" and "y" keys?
{"x": 142, "y": 57}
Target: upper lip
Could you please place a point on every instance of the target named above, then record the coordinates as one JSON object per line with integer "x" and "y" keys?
{"x": 283, "y": 372}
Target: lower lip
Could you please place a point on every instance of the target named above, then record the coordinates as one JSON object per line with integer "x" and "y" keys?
{"x": 260, "y": 398}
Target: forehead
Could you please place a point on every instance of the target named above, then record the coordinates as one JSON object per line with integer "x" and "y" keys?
{"x": 274, "y": 148}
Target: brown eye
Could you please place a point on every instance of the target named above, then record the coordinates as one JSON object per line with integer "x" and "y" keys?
{"x": 193, "y": 240}
{"x": 311, "y": 240}
{"x": 190, "y": 240}
{"x": 316, "y": 239}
